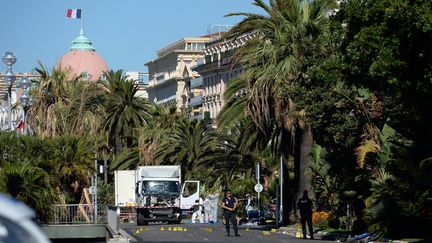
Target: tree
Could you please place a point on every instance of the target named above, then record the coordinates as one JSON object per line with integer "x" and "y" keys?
{"x": 125, "y": 110}
{"x": 31, "y": 185}
{"x": 62, "y": 105}
{"x": 188, "y": 145}
{"x": 290, "y": 37}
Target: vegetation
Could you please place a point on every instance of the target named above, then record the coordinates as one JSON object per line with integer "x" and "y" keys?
{"x": 358, "y": 79}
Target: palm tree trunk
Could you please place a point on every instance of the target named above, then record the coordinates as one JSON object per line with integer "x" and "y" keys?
{"x": 118, "y": 144}
{"x": 304, "y": 180}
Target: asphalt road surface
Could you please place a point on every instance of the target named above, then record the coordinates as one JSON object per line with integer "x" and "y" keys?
{"x": 203, "y": 233}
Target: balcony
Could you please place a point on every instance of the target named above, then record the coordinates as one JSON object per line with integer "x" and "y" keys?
{"x": 197, "y": 82}
{"x": 197, "y": 117}
{"x": 166, "y": 100}
{"x": 196, "y": 101}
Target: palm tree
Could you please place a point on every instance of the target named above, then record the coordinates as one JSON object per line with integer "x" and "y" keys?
{"x": 188, "y": 145}
{"x": 64, "y": 106}
{"x": 161, "y": 124}
{"x": 72, "y": 164}
{"x": 289, "y": 36}
{"x": 125, "y": 111}
{"x": 31, "y": 185}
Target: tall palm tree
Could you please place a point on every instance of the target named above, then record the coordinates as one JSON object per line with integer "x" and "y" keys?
{"x": 289, "y": 36}
{"x": 125, "y": 111}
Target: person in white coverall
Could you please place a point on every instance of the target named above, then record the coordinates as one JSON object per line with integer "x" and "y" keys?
{"x": 197, "y": 211}
{"x": 214, "y": 205}
{"x": 207, "y": 209}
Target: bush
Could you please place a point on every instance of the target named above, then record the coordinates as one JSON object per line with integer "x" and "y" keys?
{"x": 320, "y": 220}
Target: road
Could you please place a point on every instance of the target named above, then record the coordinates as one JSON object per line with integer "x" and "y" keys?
{"x": 203, "y": 233}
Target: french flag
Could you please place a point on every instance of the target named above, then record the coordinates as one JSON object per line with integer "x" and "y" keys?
{"x": 74, "y": 13}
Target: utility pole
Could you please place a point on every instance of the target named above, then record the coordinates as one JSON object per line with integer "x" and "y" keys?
{"x": 95, "y": 192}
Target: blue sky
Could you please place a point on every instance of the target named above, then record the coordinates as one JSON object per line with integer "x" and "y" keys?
{"x": 127, "y": 33}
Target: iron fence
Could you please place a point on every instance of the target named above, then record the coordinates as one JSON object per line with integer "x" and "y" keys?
{"x": 79, "y": 214}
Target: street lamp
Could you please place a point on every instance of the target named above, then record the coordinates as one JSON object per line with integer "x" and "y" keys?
{"x": 9, "y": 59}
{"x": 24, "y": 83}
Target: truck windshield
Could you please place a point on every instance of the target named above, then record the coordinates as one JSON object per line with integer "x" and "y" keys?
{"x": 160, "y": 187}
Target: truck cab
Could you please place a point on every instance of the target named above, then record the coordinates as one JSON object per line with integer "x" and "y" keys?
{"x": 160, "y": 195}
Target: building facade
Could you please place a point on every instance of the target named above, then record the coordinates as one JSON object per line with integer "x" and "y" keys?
{"x": 216, "y": 70}
{"x": 142, "y": 79}
{"x": 170, "y": 73}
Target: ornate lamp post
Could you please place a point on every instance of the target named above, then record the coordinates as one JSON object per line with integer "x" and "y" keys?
{"x": 24, "y": 83}
{"x": 9, "y": 59}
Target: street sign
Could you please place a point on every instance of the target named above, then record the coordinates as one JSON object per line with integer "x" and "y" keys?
{"x": 258, "y": 188}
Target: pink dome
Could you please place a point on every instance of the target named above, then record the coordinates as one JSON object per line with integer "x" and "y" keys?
{"x": 88, "y": 63}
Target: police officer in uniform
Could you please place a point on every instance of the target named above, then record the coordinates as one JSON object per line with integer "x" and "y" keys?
{"x": 229, "y": 205}
{"x": 305, "y": 206}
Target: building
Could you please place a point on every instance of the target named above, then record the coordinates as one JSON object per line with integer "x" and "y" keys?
{"x": 216, "y": 70}
{"x": 142, "y": 79}
{"x": 82, "y": 59}
{"x": 170, "y": 73}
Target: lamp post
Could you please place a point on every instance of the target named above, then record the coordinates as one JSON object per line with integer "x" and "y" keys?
{"x": 24, "y": 83}
{"x": 9, "y": 59}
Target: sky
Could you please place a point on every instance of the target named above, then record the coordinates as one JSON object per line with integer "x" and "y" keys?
{"x": 126, "y": 33}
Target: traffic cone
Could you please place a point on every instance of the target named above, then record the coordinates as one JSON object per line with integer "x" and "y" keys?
{"x": 175, "y": 229}
{"x": 137, "y": 231}
{"x": 184, "y": 230}
{"x": 169, "y": 229}
{"x": 162, "y": 229}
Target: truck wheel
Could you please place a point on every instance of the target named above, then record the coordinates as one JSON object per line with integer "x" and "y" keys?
{"x": 141, "y": 220}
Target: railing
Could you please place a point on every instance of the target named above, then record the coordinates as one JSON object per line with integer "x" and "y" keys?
{"x": 79, "y": 214}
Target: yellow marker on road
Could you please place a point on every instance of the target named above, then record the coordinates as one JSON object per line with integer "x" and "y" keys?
{"x": 137, "y": 231}
{"x": 184, "y": 230}
{"x": 266, "y": 232}
{"x": 180, "y": 228}
{"x": 169, "y": 229}
{"x": 299, "y": 235}
{"x": 273, "y": 230}
{"x": 147, "y": 229}
{"x": 175, "y": 229}
{"x": 247, "y": 229}
{"x": 162, "y": 229}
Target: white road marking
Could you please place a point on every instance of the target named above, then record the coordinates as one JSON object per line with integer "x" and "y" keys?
{"x": 205, "y": 239}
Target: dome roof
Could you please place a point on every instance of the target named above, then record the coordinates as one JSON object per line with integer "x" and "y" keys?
{"x": 82, "y": 59}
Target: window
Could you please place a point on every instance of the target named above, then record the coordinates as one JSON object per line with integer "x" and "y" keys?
{"x": 190, "y": 189}
{"x": 160, "y": 187}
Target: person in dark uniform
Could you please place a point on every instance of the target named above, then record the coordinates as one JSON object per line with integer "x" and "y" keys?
{"x": 229, "y": 205}
{"x": 305, "y": 206}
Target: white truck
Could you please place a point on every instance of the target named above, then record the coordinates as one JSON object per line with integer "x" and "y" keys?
{"x": 159, "y": 193}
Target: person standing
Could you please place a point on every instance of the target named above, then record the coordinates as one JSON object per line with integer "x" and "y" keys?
{"x": 305, "y": 206}
{"x": 229, "y": 205}
{"x": 214, "y": 199}
{"x": 207, "y": 209}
